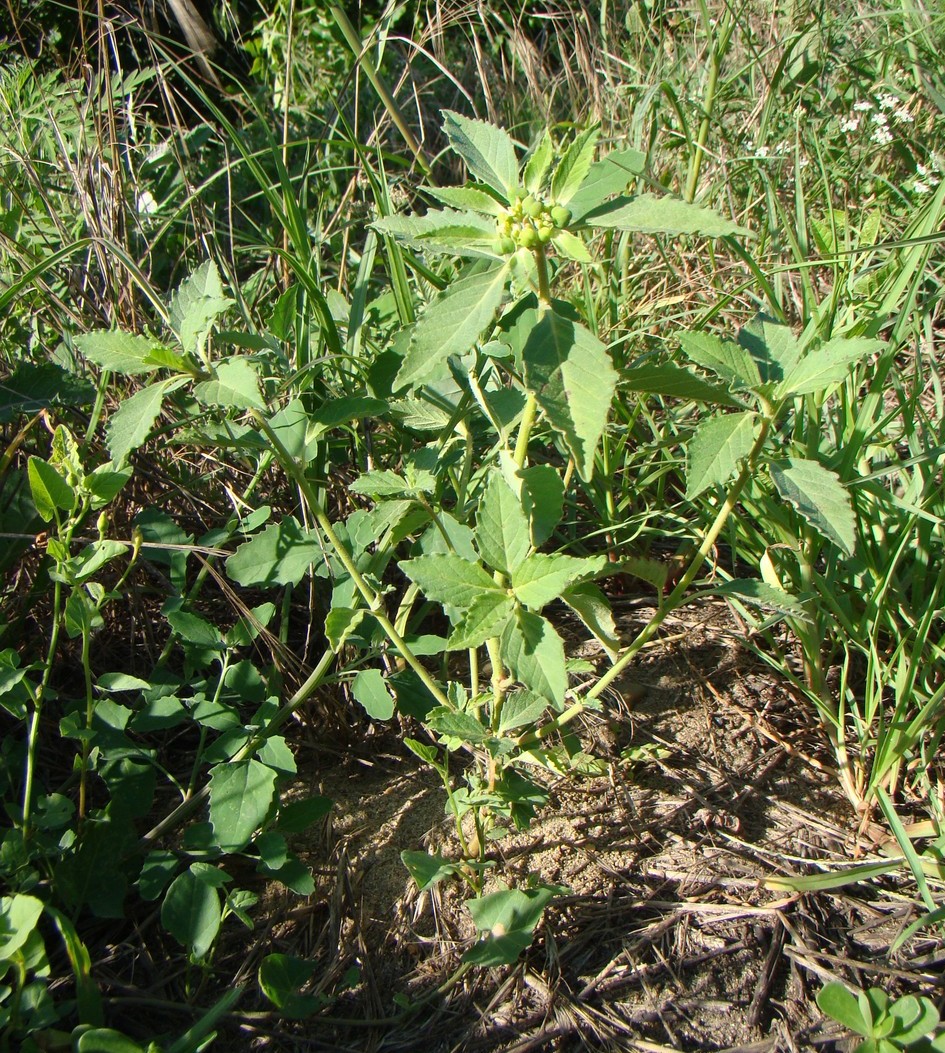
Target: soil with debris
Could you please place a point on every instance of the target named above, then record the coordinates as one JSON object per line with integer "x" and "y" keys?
{"x": 669, "y": 938}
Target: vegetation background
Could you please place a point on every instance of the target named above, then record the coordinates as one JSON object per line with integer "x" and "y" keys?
{"x": 259, "y": 419}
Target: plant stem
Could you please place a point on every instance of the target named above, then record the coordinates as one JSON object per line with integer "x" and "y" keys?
{"x": 374, "y": 602}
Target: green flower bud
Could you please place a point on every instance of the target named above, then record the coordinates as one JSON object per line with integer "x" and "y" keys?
{"x": 532, "y": 207}
{"x": 560, "y": 216}
{"x": 529, "y": 238}
{"x": 505, "y": 246}
{"x": 545, "y": 231}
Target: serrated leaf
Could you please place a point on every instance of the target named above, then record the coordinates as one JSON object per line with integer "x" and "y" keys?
{"x": 820, "y": 497}
{"x": 236, "y": 384}
{"x": 488, "y": 151}
{"x": 571, "y": 247}
{"x": 335, "y": 412}
{"x": 608, "y": 176}
{"x": 542, "y": 499}
{"x": 826, "y": 365}
{"x": 772, "y": 345}
{"x": 521, "y": 708}
{"x": 452, "y": 724}
{"x": 727, "y": 359}
{"x": 464, "y": 197}
{"x": 131, "y": 424}
{"x": 49, "y": 490}
{"x": 541, "y": 579}
{"x": 502, "y": 530}
{"x": 444, "y": 231}
{"x": 449, "y": 579}
{"x": 241, "y": 794}
{"x": 535, "y": 655}
{"x": 34, "y": 386}
{"x": 196, "y": 305}
{"x": 191, "y": 913}
{"x": 280, "y": 555}
{"x": 483, "y": 619}
{"x": 125, "y": 353}
{"x": 716, "y": 450}
{"x": 369, "y": 688}
{"x": 591, "y": 605}
{"x": 675, "y": 382}
{"x": 452, "y": 324}
{"x": 538, "y": 164}
{"x": 570, "y": 372}
{"x": 574, "y": 166}
{"x": 648, "y": 214}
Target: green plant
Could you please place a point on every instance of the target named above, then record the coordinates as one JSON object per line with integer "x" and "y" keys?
{"x": 886, "y": 1024}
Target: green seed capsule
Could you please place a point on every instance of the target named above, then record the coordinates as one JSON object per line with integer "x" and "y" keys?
{"x": 560, "y": 216}
{"x": 505, "y": 246}
{"x": 532, "y": 207}
{"x": 529, "y": 238}
{"x": 544, "y": 233}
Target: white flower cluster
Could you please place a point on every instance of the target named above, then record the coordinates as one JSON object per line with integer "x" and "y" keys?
{"x": 930, "y": 176}
{"x": 885, "y": 110}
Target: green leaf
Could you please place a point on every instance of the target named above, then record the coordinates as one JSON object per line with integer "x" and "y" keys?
{"x": 463, "y": 197}
{"x": 297, "y": 816}
{"x": 426, "y": 869}
{"x": 192, "y": 628}
{"x": 538, "y": 164}
{"x": 535, "y": 655}
{"x": 837, "y": 1002}
{"x": 236, "y": 384}
{"x": 828, "y": 364}
{"x": 571, "y": 247}
{"x": 716, "y": 450}
{"x": 191, "y": 912}
{"x": 820, "y": 497}
{"x": 106, "y": 1040}
{"x": 444, "y": 231}
{"x": 574, "y": 166}
{"x": 570, "y": 372}
{"x": 509, "y": 917}
{"x": 484, "y": 618}
{"x": 338, "y": 411}
{"x": 760, "y": 594}
{"x": 521, "y": 708}
{"x": 196, "y": 305}
{"x": 648, "y": 214}
{"x": 452, "y": 324}
{"x": 449, "y": 579}
{"x": 241, "y": 794}
{"x": 281, "y": 979}
{"x": 341, "y": 623}
{"x": 463, "y": 727}
{"x": 543, "y": 500}
{"x": 280, "y": 555}
{"x": 541, "y": 579}
{"x": 49, "y": 490}
{"x": 18, "y": 918}
{"x": 772, "y": 345}
{"x": 502, "y": 531}
{"x": 606, "y": 177}
{"x": 34, "y": 386}
{"x": 369, "y": 688}
{"x": 675, "y": 382}
{"x": 488, "y": 151}
{"x": 591, "y": 606}
{"x": 125, "y": 353}
{"x": 727, "y": 359}
{"x": 832, "y": 878}
{"x": 915, "y": 1018}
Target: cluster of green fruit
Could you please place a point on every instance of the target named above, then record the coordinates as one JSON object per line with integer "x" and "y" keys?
{"x": 529, "y": 222}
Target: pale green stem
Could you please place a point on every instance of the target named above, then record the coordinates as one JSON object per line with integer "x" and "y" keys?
{"x": 374, "y": 602}
{"x": 715, "y": 67}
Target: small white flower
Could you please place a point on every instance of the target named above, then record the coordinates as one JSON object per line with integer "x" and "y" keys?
{"x": 882, "y": 136}
{"x": 880, "y": 118}
{"x": 921, "y": 188}
{"x": 763, "y": 151}
{"x": 850, "y": 124}
{"x": 863, "y": 106}
{"x": 146, "y": 205}
{"x": 921, "y": 170}
{"x": 902, "y": 114}
{"x": 887, "y": 101}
